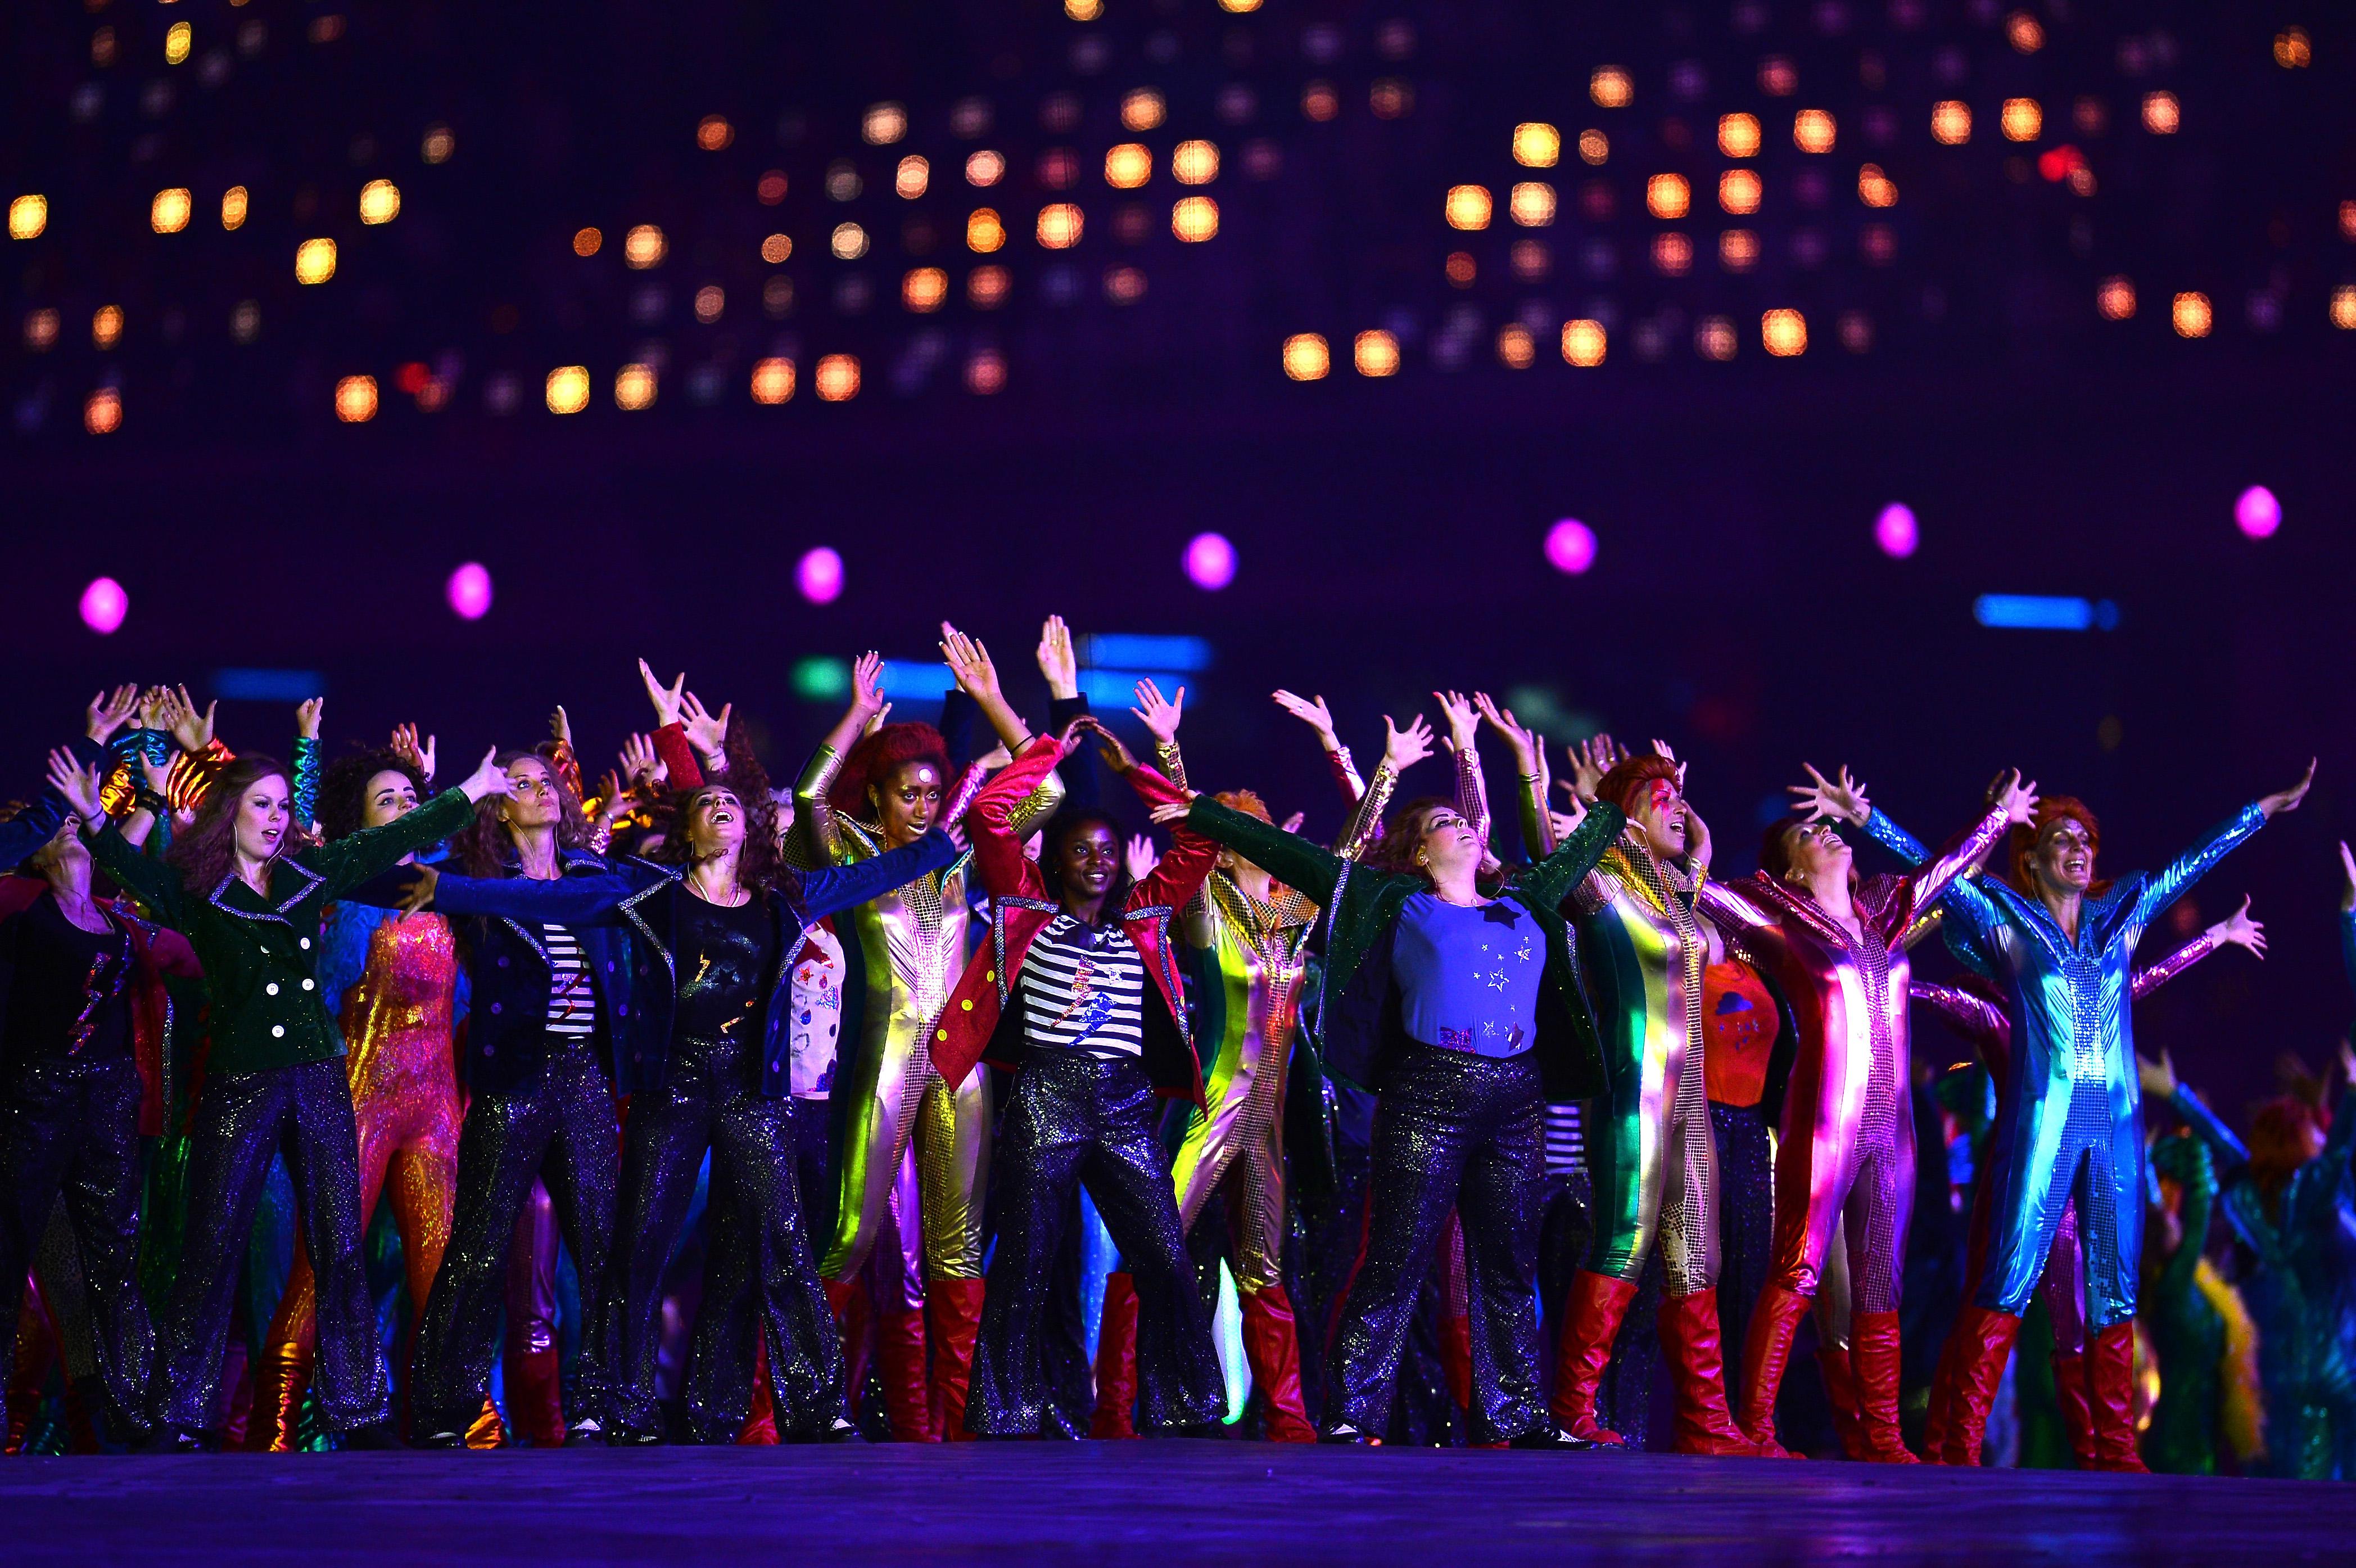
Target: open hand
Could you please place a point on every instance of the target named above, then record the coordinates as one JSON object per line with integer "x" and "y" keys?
{"x": 968, "y": 659}
{"x": 867, "y": 685}
{"x": 81, "y": 786}
{"x": 1141, "y": 857}
{"x": 419, "y": 893}
{"x": 1590, "y": 759}
{"x": 1156, "y": 715}
{"x": 1313, "y": 712}
{"x": 1171, "y": 811}
{"x": 665, "y": 699}
{"x": 1843, "y": 800}
{"x": 2240, "y": 930}
{"x": 559, "y": 727}
{"x": 2155, "y": 1075}
{"x": 1056, "y": 660}
{"x": 192, "y": 730}
{"x": 1464, "y": 724}
{"x": 641, "y": 763}
{"x": 487, "y": 779}
{"x": 1524, "y": 742}
{"x": 107, "y": 713}
{"x": 2288, "y": 800}
{"x": 706, "y": 730}
{"x": 405, "y": 746}
{"x": 1402, "y": 748}
{"x": 2018, "y": 798}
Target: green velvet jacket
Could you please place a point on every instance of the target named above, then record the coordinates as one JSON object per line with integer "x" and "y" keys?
{"x": 1357, "y": 1011}
{"x": 264, "y": 1008}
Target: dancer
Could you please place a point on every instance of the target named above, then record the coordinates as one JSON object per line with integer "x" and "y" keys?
{"x": 2200, "y": 1334}
{"x": 1462, "y": 1070}
{"x": 251, "y": 903}
{"x": 2061, "y": 944}
{"x": 1078, "y": 993}
{"x": 718, "y": 921}
{"x": 1837, "y": 945}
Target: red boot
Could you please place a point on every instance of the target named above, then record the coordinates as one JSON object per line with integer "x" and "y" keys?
{"x": 536, "y": 1394}
{"x": 1456, "y": 1357}
{"x": 1938, "y": 1416}
{"x": 849, "y": 1301}
{"x": 1766, "y": 1349}
{"x": 1590, "y": 1321}
{"x": 237, "y": 1395}
{"x": 1873, "y": 1355}
{"x": 1690, "y": 1346}
{"x": 2110, "y": 1388}
{"x": 2071, "y": 1391}
{"x": 1985, "y": 1343}
{"x": 1116, "y": 1415}
{"x": 1272, "y": 1345}
{"x": 1841, "y": 1392}
{"x": 900, "y": 1353}
{"x": 957, "y": 1318}
{"x": 760, "y": 1428}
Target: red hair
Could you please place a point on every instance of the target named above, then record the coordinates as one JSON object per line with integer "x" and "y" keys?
{"x": 1627, "y": 785}
{"x": 1246, "y": 801}
{"x": 2283, "y": 1133}
{"x": 877, "y": 757}
{"x": 2051, "y": 808}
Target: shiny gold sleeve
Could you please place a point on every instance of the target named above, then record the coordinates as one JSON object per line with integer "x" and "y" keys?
{"x": 1172, "y": 766}
{"x": 1036, "y": 807}
{"x": 816, "y": 840}
{"x": 1366, "y": 823}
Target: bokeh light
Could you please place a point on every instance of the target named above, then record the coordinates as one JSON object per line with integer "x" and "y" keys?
{"x": 1570, "y": 547}
{"x": 1667, "y": 196}
{"x": 2116, "y": 299}
{"x": 103, "y": 606}
{"x": 234, "y": 205}
{"x": 28, "y": 216}
{"x": 644, "y": 247}
{"x": 2257, "y": 513}
{"x": 777, "y": 248}
{"x": 2191, "y": 315}
{"x": 913, "y": 177}
{"x": 2023, "y": 119}
{"x": 1142, "y": 109}
{"x": 468, "y": 591}
{"x": 1307, "y": 357}
{"x": 169, "y": 213}
{"x": 713, "y": 133}
{"x": 1594, "y": 147}
{"x": 1738, "y": 135}
{"x": 101, "y": 412}
{"x": 437, "y": 145}
{"x": 1127, "y": 165}
{"x": 356, "y": 399}
{"x": 1714, "y": 337}
{"x": 1813, "y": 131}
{"x": 315, "y": 261}
{"x": 838, "y": 378}
{"x": 634, "y": 387}
{"x": 984, "y": 167}
{"x": 2343, "y": 308}
{"x": 2160, "y": 114}
{"x": 1536, "y": 144}
{"x": 849, "y": 241}
{"x": 1375, "y": 353}
{"x": 1610, "y": 87}
{"x": 380, "y": 201}
{"x": 1532, "y": 203}
{"x": 987, "y": 287}
{"x": 1785, "y": 332}
{"x": 1210, "y": 561}
{"x": 984, "y": 232}
{"x": 1583, "y": 342}
{"x": 710, "y": 302}
{"x": 106, "y": 327}
{"x": 1516, "y": 350}
{"x": 1195, "y": 219}
{"x": 923, "y": 289}
{"x": 1896, "y": 532}
{"x": 1876, "y": 188}
{"x": 985, "y": 373}
{"x": 818, "y": 576}
{"x": 1468, "y": 207}
{"x": 1951, "y": 123}
{"x": 1060, "y": 225}
{"x": 587, "y": 242}
{"x": 568, "y": 389}
{"x": 1739, "y": 191}
{"x": 1194, "y": 162}
{"x": 178, "y": 39}
{"x": 773, "y": 381}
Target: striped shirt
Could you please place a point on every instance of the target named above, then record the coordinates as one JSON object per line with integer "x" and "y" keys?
{"x": 572, "y": 999}
{"x": 1566, "y": 1145}
{"x": 1084, "y": 990}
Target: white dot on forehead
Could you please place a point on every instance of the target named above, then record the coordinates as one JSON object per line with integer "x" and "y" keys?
{"x": 926, "y": 776}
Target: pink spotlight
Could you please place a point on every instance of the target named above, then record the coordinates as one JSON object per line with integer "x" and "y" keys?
{"x": 819, "y": 576}
{"x": 1895, "y": 530}
{"x": 1210, "y": 561}
{"x": 1570, "y": 547}
{"x": 469, "y": 591}
{"x": 103, "y": 606}
{"x": 2257, "y": 513}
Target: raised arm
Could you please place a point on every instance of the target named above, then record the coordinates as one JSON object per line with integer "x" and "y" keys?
{"x": 357, "y": 857}
{"x": 2188, "y": 1161}
{"x": 847, "y": 887}
{"x": 816, "y": 836}
{"x": 1402, "y": 749}
{"x": 1975, "y": 1018}
{"x": 2236, "y": 930}
{"x": 153, "y": 883}
{"x": 990, "y": 826}
{"x": 576, "y": 900}
{"x": 1463, "y": 742}
{"x": 1932, "y": 879}
{"x": 2165, "y": 887}
{"x": 1288, "y": 858}
{"x": 1972, "y": 930}
{"x": 1550, "y": 881}
{"x": 306, "y": 762}
{"x": 1313, "y": 712}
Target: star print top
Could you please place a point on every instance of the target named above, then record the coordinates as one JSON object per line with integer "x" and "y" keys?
{"x": 723, "y": 969}
{"x": 1468, "y": 978}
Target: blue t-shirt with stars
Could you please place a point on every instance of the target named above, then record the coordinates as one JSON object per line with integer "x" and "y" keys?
{"x": 1469, "y": 978}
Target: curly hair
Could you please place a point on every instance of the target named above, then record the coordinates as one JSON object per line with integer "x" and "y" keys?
{"x": 1059, "y": 830}
{"x": 485, "y": 847}
{"x": 758, "y": 866}
{"x": 343, "y": 788}
{"x": 1627, "y": 784}
{"x": 2022, "y": 843}
{"x": 876, "y": 758}
{"x": 1403, "y": 834}
{"x": 207, "y": 854}
{"x": 1248, "y": 801}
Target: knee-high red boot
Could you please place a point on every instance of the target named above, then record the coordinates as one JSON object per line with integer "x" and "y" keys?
{"x": 956, "y": 1306}
{"x": 1272, "y": 1345}
{"x": 1689, "y": 1343}
{"x": 1984, "y": 1345}
{"x": 2072, "y": 1392}
{"x": 900, "y": 1355}
{"x": 1115, "y": 1415}
{"x": 1873, "y": 1355}
{"x": 2110, "y": 1387}
{"x": 760, "y": 1428}
{"x": 1590, "y": 1321}
{"x": 851, "y": 1305}
{"x": 1839, "y": 1371}
{"x": 1766, "y": 1351}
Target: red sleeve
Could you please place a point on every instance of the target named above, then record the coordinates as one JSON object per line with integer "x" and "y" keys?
{"x": 678, "y": 757}
{"x": 1179, "y": 874}
{"x": 998, "y": 855}
{"x": 173, "y": 954}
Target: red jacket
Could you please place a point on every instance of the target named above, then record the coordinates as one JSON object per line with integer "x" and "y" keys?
{"x": 977, "y": 1025}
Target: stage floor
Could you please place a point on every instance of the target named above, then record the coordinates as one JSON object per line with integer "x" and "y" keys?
{"x": 1143, "y": 1504}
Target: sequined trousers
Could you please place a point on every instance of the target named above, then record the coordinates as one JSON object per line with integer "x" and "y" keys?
{"x": 241, "y": 1120}
{"x": 1073, "y": 1120}
{"x": 706, "y": 1105}
{"x": 562, "y": 1129}
{"x": 1452, "y": 1130}
{"x": 72, "y": 1127}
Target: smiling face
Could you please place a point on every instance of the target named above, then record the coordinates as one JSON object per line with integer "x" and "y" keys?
{"x": 908, "y": 801}
{"x": 714, "y": 822}
{"x": 535, "y": 801}
{"x": 387, "y": 797}
{"x": 1661, "y": 813}
{"x": 2062, "y": 859}
{"x": 1815, "y": 850}
{"x": 264, "y": 813}
{"x": 1087, "y": 860}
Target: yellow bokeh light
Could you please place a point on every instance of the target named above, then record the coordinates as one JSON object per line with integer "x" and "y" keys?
{"x": 912, "y": 177}
{"x": 1738, "y": 135}
{"x": 1194, "y": 162}
{"x": 1517, "y": 350}
{"x": 634, "y": 387}
{"x": 1784, "y": 333}
{"x": 644, "y": 246}
{"x": 587, "y": 242}
{"x": 1531, "y": 203}
{"x": 1610, "y": 87}
{"x": 169, "y": 213}
{"x": 711, "y": 301}
{"x": 1468, "y": 207}
{"x": 1142, "y": 109}
{"x": 1667, "y": 196}
{"x": 1813, "y": 131}
{"x": 1951, "y": 123}
{"x": 568, "y": 389}
{"x": 777, "y": 248}
{"x": 106, "y": 325}
{"x": 984, "y": 167}
{"x": 1536, "y": 144}
{"x": 849, "y": 241}
{"x": 2161, "y": 116}
{"x": 1739, "y": 191}
{"x": 1059, "y": 226}
{"x": 713, "y": 133}
{"x": 28, "y": 216}
{"x": 2343, "y": 308}
{"x": 380, "y": 201}
{"x": 883, "y": 123}
{"x": 984, "y": 232}
{"x": 1583, "y": 342}
{"x": 102, "y": 415}
{"x": 235, "y": 203}
{"x": 1876, "y": 188}
{"x": 1239, "y": 7}
{"x": 315, "y": 261}
{"x": 1375, "y": 353}
{"x": 1594, "y": 147}
{"x": 773, "y": 381}
{"x": 2022, "y": 119}
{"x": 1195, "y": 219}
{"x": 178, "y": 39}
{"x": 1083, "y": 10}
{"x": 923, "y": 289}
{"x": 2116, "y": 299}
{"x": 838, "y": 378}
{"x": 356, "y": 399}
{"x": 1127, "y": 165}
{"x": 2191, "y": 316}
{"x": 1307, "y": 357}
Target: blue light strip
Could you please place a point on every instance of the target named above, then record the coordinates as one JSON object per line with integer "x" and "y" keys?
{"x": 1124, "y": 651}
{"x": 269, "y": 685}
{"x": 2036, "y": 612}
{"x": 923, "y": 681}
{"x": 1112, "y": 691}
